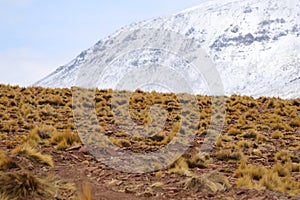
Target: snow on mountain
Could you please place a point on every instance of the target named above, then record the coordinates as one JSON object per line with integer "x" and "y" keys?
{"x": 255, "y": 45}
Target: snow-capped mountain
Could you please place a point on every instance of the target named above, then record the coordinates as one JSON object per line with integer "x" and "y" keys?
{"x": 255, "y": 45}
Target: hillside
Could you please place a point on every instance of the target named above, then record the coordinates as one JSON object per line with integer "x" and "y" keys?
{"x": 43, "y": 156}
{"x": 254, "y": 44}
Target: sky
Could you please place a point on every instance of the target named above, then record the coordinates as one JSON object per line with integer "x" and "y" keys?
{"x": 38, "y": 36}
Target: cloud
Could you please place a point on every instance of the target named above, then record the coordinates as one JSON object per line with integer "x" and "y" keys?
{"x": 23, "y": 66}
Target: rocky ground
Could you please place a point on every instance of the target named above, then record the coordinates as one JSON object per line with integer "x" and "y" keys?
{"x": 42, "y": 155}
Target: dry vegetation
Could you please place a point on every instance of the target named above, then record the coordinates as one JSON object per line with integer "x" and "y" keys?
{"x": 41, "y": 152}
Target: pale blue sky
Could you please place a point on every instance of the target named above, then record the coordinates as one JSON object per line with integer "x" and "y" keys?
{"x": 37, "y": 36}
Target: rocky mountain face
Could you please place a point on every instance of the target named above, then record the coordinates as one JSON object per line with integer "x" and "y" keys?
{"x": 254, "y": 44}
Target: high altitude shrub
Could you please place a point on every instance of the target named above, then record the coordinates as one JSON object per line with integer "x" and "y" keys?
{"x": 277, "y": 135}
{"x": 65, "y": 139}
{"x": 211, "y": 182}
{"x": 234, "y": 131}
{"x": 44, "y": 132}
{"x": 28, "y": 151}
{"x": 20, "y": 184}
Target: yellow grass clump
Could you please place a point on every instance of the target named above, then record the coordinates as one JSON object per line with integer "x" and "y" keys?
{"x": 20, "y": 184}
{"x": 64, "y": 140}
{"x": 28, "y": 151}
{"x": 211, "y": 182}
{"x": 258, "y": 177}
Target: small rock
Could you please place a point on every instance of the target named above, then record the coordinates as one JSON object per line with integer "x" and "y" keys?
{"x": 84, "y": 150}
{"x": 73, "y": 148}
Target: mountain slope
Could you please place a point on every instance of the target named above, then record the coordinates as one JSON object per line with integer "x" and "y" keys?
{"x": 255, "y": 45}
